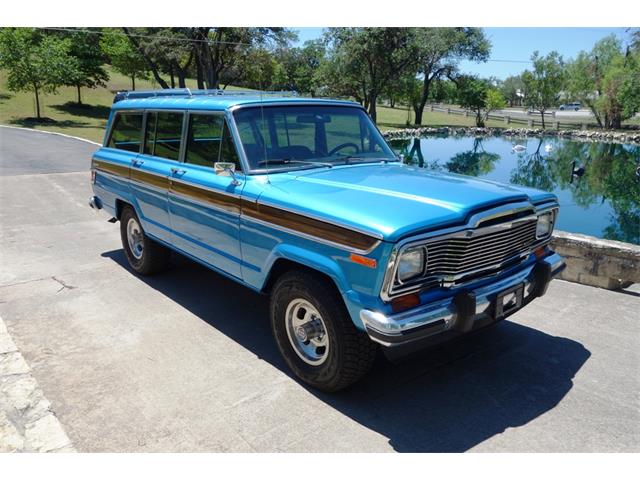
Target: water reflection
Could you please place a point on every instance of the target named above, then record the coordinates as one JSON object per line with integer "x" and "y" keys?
{"x": 596, "y": 183}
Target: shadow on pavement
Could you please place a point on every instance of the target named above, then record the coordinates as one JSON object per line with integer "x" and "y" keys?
{"x": 448, "y": 399}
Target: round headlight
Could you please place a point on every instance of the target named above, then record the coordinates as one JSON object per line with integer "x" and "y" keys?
{"x": 544, "y": 225}
{"x": 411, "y": 264}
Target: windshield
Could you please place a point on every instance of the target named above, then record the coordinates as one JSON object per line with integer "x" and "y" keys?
{"x": 306, "y": 136}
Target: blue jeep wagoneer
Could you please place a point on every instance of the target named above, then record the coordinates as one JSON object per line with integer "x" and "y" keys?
{"x": 302, "y": 199}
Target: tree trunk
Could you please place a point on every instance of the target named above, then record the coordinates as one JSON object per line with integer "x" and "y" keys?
{"x": 173, "y": 78}
{"x": 616, "y": 122}
{"x": 426, "y": 86}
{"x": 79, "y": 97}
{"x": 392, "y": 102}
{"x": 133, "y": 82}
{"x": 35, "y": 89}
{"x": 418, "y": 113}
{"x": 542, "y": 118}
{"x": 199, "y": 75}
{"x": 373, "y": 99}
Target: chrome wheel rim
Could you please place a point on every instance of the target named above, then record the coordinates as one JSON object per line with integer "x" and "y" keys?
{"x": 307, "y": 332}
{"x": 134, "y": 238}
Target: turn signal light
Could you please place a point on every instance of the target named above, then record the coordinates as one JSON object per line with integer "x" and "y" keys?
{"x": 405, "y": 302}
{"x": 539, "y": 252}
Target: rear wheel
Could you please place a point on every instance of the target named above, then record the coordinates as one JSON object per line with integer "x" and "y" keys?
{"x": 144, "y": 255}
{"x": 315, "y": 334}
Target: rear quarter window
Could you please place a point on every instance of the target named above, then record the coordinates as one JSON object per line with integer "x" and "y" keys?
{"x": 126, "y": 132}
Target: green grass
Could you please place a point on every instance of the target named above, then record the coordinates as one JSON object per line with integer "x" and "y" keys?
{"x": 65, "y": 115}
{"x": 395, "y": 118}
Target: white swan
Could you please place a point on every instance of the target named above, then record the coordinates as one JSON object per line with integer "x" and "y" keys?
{"x": 519, "y": 148}
{"x": 548, "y": 148}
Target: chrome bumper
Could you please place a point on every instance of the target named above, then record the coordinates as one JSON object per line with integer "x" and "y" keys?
{"x": 95, "y": 203}
{"x": 459, "y": 312}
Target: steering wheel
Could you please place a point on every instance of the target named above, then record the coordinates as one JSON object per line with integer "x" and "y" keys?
{"x": 344, "y": 145}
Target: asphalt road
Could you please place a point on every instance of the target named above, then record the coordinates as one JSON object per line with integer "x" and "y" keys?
{"x": 184, "y": 361}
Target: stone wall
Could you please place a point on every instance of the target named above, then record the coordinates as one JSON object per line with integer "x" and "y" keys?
{"x": 597, "y": 262}
{"x": 630, "y": 136}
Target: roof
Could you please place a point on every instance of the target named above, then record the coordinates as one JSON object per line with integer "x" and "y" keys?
{"x": 218, "y": 102}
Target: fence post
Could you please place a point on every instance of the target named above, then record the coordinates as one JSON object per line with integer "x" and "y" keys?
{"x": 448, "y": 110}
{"x": 583, "y": 126}
{"x": 507, "y": 119}
{"x": 431, "y": 107}
{"x": 466, "y": 113}
{"x": 530, "y": 123}
{"x": 556, "y": 125}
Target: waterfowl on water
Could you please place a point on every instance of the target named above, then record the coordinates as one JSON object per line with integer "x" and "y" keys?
{"x": 518, "y": 148}
{"x": 548, "y": 148}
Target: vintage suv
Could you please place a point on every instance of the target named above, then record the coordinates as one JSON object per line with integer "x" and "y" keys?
{"x": 302, "y": 199}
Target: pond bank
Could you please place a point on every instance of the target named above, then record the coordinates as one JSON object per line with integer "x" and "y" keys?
{"x": 630, "y": 137}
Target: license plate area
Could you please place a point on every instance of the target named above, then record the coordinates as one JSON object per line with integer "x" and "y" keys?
{"x": 508, "y": 301}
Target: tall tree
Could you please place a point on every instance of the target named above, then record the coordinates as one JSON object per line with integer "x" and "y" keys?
{"x": 544, "y": 82}
{"x": 123, "y": 56}
{"x": 438, "y": 52}
{"x": 606, "y": 80}
{"x": 35, "y": 62}
{"x": 480, "y": 97}
{"x": 512, "y": 89}
{"x": 370, "y": 58}
{"x": 85, "y": 47}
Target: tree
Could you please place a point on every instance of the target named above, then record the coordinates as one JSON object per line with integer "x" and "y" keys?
{"x": 35, "y": 62}
{"x": 606, "y": 80}
{"x": 480, "y": 97}
{"x": 363, "y": 61}
{"x": 544, "y": 83}
{"x": 85, "y": 47}
{"x": 512, "y": 89}
{"x": 123, "y": 56}
{"x": 438, "y": 51}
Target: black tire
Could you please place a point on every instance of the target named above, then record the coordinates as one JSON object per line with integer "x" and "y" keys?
{"x": 350, "y": 354}
{"x": 154, "y": 257}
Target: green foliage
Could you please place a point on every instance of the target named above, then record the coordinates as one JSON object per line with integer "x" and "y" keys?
{"x": 123, "y": 56}
{"x": 90, "y": 57}
{"x": 480, "y": 97}
{"x": 364, "y": 61}
{"x": 513, "y": 89}
{"x": 544, "y": 83}
{"x": 35, "y": 62}
{"x": 437, "y": 54}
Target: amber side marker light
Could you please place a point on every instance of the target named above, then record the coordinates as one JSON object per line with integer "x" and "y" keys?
{"x": 405, "y": 302}
{"x": 540, "y": 251}
{"x": 367, "y": 262}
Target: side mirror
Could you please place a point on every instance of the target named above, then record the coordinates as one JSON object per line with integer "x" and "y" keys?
{"x": 226, "y": 169}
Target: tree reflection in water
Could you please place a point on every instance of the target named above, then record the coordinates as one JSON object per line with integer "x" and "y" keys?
{"x": 609, "y": 174}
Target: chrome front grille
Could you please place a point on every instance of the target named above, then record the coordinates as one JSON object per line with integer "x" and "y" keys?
{"x": 472, "y": 251}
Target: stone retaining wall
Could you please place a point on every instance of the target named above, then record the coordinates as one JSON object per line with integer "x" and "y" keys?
{"x": 597, "y": 262}
{"x": 632, "y": 136}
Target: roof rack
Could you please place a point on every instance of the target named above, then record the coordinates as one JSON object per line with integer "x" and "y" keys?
{"x": 182, "y": 92}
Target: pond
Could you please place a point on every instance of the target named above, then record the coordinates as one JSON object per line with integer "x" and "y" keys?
{"x": 597, "y": 184}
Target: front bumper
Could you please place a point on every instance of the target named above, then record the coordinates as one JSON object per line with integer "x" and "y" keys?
{"x": 462, "y": 312}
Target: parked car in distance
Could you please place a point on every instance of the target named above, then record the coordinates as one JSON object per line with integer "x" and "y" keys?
{"x": 575, "y": 106}
{"x": 303, "y": 200}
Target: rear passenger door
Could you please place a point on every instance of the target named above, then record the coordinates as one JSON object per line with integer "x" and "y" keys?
{"x": 151, "y": 170}
{"x": 205, "y": 207}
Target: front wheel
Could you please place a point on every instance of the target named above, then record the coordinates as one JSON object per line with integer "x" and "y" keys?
{"x": 315, "y": 334}
{"x": 144, "y": 255}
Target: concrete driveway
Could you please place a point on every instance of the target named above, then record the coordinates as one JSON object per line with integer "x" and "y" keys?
{"x": 184, "y": 361}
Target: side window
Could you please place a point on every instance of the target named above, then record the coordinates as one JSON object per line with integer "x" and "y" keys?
{"x": 229, "y": 152}
{"x": 164, "y": 134}
{"x": 126, "y": 132}
{"x": 204, "y": 139}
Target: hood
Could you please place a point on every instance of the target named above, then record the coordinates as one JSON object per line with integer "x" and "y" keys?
{"x": 392, "y": 200}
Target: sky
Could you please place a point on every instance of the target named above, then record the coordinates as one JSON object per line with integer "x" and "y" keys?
{"x": 515, "y": 45}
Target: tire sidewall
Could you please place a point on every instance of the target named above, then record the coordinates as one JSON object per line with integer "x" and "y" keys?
{"x": 135, "y": 263}
{"x": 318, "y": 375}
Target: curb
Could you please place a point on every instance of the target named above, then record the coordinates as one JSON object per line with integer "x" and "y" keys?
{"x": 27, "y": 423}
{"x": 52, "y": 133}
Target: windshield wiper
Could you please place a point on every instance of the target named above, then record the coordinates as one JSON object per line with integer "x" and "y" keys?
{"x": 349, "y": 158}
{"x": 286, "y": 161}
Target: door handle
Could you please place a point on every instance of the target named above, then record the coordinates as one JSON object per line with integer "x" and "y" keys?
{"x": 178, "y": 171}
{"x": 137, "y": 163}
